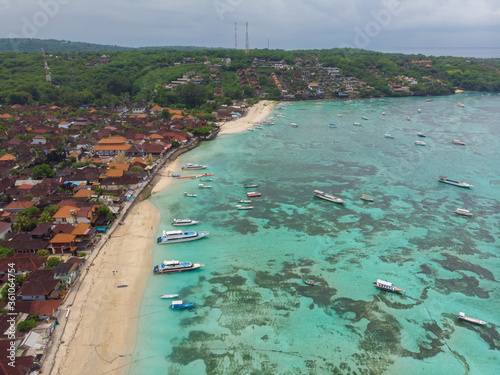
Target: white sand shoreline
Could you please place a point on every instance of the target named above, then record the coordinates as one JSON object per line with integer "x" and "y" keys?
{"x": 101, "y": 331}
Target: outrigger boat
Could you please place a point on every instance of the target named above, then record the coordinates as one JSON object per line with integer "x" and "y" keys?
{"x": 243, "y": 201}
{"x": 240, "y": 207}
{"x": 247, "y": 185}
{"x": 385, "y": 285}
{"x": 179, "y": 305}
{"x": 203, "y": 186}
{"x": 463, "y": 212}
{"x": 366, "y": 197}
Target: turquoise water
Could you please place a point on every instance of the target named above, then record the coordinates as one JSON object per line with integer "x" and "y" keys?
{"x": 254, "y": 314}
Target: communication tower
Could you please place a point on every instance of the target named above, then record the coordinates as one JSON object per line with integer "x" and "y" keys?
{"x": 246, "y": 41}
{"x": 46, "y": 65}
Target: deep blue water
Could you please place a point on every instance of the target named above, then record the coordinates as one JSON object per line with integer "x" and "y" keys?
{"x": 254, "y": 314}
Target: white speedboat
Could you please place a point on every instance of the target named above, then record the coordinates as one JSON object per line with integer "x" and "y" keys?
{"x": 203, "y": 186}
{"x": 183, "y": 222}
{"x": 166, "y": 296}
{"x": 294, "y": 125}
{"x": 420, "y": 143}
{"x": 463, "y": 212}
{"x": 357, "y": 124}
{"x": 462, "y": 316}
{"x": 171, "y": 266}
{"x": 458, "y": 142}
{"x": 453, "y": 182}
{"x": 364, "y": 117}
{"x": 331, "y": 198}
{"x": 388, "y": 136}
{"x": 189, "y": 195}
{"x": 174, "y": 236}
{"x": 190, "y": 166}
{"x": 366, "y": 197}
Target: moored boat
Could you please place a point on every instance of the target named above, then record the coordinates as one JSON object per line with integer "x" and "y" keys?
{"x": 240, "y": 207}
{"x": 174, "y": 236}
{"x": 366, "y": 197}
{"x": 308, "y": 281}
{"x": 458, "y": 142}
{"x": 420, "y": 143}
{"x": 171, "y": 266}
{"x": 203, "y": 186}
{"x": 364, "y": 117}
{"x": 253, "y": 194}
{"x": 385, "y": 285}
{"x": 190, "y": 166}
{"x": 166, "y": 296}
{"x": 331, "y": 198}
{"x": 459, "y": 104}
{"x": 408, "y": 118}
{"x": 357, "y": 124}
{"x": 462, "y": 316}
{"x": 179, "y": 305}
{"x": 189, "y": 195}
{"x": 421, "y": 135}
{"x": 243, "y": 200}
{"x": 388, "y": 136}
{"x": 183, "y": 222}
{"x": 463, "y": 212}
{"x": 247, "y": 185}
{"x": 333, "y": 126}
{"x": 206, "y": 179}
{"x": 453, "y": 182}
{"x": 294, "y": 125}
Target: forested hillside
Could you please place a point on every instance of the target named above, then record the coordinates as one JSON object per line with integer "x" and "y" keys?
{"x": 111, "y": 78}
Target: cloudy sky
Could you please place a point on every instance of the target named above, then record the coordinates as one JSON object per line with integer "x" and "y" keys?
{"x": 291, "y": 24}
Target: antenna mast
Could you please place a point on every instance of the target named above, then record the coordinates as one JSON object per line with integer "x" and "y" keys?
{"x": 246, "y": 41}
{"x": 46, "y": 65}
{"x": 235, "y": 37}
{"x": 71, "y": 71}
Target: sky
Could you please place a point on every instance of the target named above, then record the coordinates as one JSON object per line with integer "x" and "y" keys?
{"x": 285, "y": 24}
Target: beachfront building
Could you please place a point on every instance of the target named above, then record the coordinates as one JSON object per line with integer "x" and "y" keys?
{"x": 38, "y": 286}
{"x": 62, "y": 243}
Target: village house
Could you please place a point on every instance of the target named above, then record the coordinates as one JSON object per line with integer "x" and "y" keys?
{"x": 111, "y": 146}
{"x": 38, "y": 286}
{"x": 62, "y": 243}
{"x": 23, "y": 263}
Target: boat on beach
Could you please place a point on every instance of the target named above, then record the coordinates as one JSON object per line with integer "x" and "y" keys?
{"x": 183, "y": 222}
{"x": 462, "y": 316}
{"x": 174, "y": 236}
{"x": 461, "y": 211}
{"x": 240, "y": 207}
{"x": 366, "y": 197}
{"x": 453, "y": 182}
{"x": 331, "y": 198}
{"x": 166, "y": 296}
{"x": 385, "y": 285}
{"x": 458, "y": 142}
{"x": 191, "y": 166}
{"x": 179, "y": 305}
{"x": 189, "y": 195}
{"x": 171, "y": 266}
{"x": 253, "y": 194}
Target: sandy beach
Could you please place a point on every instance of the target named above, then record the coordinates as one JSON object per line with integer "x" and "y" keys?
{"x": 256, "y": 114}
{"x": 101, "y": 330}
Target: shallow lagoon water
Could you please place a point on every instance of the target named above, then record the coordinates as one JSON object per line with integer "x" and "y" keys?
{"x": 254, "y": 314}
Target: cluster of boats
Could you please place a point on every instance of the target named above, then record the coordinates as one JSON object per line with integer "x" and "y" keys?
{"x": 244, "y": 203}
{"x": 331, "y": 198}
{"x": 389, "y": 287}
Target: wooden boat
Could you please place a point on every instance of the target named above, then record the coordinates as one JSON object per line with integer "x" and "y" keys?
{"x": 122, "y": 286}
{"x": 247, "y": 185}
{"x": 166, "y": 296}
{"x": 385, "y": 285}
{"x": 458, "y": 142}
{"x": 243, "y": 200}
{"x": 196, "y": 175}
{"x": 364, "y": 117}
{"x": 453, "y": 182}
{"x": 462, "y": 316}
{"x": 203, "y": 186}
{"x": 294, "y": 125}
{"x": 463, "y": 212}
{"x": 308, "y": 282}
{"x": 253, "y": 194}
{"x": 333, "y": 126}
{"x": 421, "y": 135}
{"x": 179, "y": 305}
{"x": 420, "y": 143}
{"x": 240, "y": 207}
{"x": 189, "y": 195}
{"x": 388, "y": 136}
{"x": 205, "y": 179}
{"x": 366, "y": 197}
{"x": 331, "y": 198}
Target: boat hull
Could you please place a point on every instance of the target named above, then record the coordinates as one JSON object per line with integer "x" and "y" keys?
{"x": 157, "y": 270}
{"x": 162, "y": 241}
